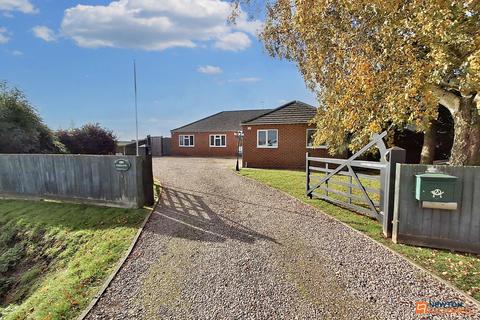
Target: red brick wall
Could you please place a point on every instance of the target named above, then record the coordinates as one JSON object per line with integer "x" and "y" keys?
{"x": 290, "y": 154}
{"x": 202, "y": 145}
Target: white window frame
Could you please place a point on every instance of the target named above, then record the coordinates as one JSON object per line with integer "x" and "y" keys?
{"x": 181, "y": 140}
{"x": 266, "y": 133}
{"x": 313, "y": 147}
{"x": 215, "y": 138}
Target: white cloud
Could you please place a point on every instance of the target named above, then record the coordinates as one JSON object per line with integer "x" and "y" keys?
{"x": 44, "y": 33}
{"x": 17, "y": 53}
{"x": 245, "y": 79}
{"x": 24, "y": 6}
{"x": 209, "y": 69}
{"x": 235, "y": 41}
{"x": 157, "y": 25}
{"x": 4, "y": 38}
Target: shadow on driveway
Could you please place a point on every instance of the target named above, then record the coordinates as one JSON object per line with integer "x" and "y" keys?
{"x": 222, "y": 197}
{"x": 185, "y": 215}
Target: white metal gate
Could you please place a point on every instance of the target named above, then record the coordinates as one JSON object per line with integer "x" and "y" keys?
{"x": 365, "y": 187}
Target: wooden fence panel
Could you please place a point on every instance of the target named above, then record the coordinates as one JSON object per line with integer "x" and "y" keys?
{"x": 156, "y": 146}
{"x": 166, "y": 146}
{"x": 450, "y": 229}
{"x": 79, "y": 178}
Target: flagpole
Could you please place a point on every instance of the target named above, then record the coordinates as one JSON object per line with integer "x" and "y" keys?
{"x": 136, "y": 107}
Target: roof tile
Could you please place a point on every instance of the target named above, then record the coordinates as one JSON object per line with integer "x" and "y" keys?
{"x": 289, "y": 113}
{"x": 222, "y": 121}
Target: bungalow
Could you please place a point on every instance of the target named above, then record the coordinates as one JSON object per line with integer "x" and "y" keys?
{"x": 213, "y": 136}
{"x": 281, "y": 137}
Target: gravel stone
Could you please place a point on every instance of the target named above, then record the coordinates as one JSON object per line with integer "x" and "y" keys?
{"x": 220, "y": 246}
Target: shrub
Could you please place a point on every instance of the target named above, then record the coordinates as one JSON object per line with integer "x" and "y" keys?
{"x": 21, "y": 128}
{"x": 89, "y": 139}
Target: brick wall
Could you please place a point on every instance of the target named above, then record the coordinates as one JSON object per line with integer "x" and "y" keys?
{"x": 202, "y": 145}
{"x": 290, "y": 154}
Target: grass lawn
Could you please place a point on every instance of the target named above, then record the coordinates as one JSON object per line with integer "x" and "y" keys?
{"x": 463, "y": 270}
{"x": 54, "y": 257}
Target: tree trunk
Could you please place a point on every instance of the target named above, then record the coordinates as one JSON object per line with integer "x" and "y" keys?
{"x": 466, "y": 143}
{"x": 429, "y": 144}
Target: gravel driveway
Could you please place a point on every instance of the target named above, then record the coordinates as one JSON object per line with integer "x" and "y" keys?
{"x": 220, "y": 246}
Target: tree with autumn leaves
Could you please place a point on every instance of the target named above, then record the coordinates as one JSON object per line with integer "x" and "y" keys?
{"x": 384, "y": 64}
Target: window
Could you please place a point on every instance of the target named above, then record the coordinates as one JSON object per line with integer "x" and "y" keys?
{"x": 186, "y": 141}
{"x": 267, "y": 138}
{"x": 218, "y": 140}
{"x": 310, "y": 139}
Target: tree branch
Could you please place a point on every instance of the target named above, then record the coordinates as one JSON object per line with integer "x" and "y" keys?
{"x": 476, "y": 100}
{"x": 446, "y": 98}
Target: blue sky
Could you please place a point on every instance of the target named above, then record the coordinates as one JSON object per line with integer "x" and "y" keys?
{"x": 73, "y": 59}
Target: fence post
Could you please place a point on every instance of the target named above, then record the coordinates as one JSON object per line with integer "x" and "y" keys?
{"x": 307, "y": 171}
{"x": 148, "y": 180}
{"x": 326, "y": 182}
{"x": 350, "y": 190}
{"x": 395, "y": 155}
{"x": 148, "y": 146}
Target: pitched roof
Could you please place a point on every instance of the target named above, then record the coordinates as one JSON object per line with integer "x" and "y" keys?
{"x": 121, "y": 143}
{"x": 289, "y": 113}
{"x": 222, "y": 121}
{"x": 125, "y": 143}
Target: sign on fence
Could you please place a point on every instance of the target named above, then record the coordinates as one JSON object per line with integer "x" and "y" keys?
{"x": 122, "y": 164}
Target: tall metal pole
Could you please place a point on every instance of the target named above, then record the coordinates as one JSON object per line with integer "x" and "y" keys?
{"x": 136, "y": 107}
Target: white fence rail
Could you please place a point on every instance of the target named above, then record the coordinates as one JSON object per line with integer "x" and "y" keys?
{"x": 366, "y": 187}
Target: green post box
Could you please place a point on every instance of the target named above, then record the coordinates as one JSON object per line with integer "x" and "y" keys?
{"x": 436, "y": 190}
